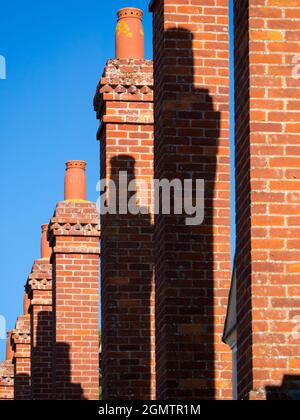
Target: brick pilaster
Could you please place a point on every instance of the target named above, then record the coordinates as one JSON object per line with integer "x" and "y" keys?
{"x": 74, "y": 237}
{"x": 267, "y": 35}
{"x": 39, "y": 288}
{"x": 21, "y": 346}
{"x": 124, "y": 104}
{"x": 192, "y": 263}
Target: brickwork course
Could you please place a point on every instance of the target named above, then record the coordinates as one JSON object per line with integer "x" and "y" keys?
{"x": 267, "y": 34}
{"x": 164, "y": 283}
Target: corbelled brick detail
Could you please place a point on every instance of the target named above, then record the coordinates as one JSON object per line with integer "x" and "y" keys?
{"x": 21, "y": 345}
{"x": 267, "y": 35}
{"x": 192, "y": 263}
{"x": 124, "y": 104}
{"x": 39, "y": 289}
{"x": 74, "y": 237}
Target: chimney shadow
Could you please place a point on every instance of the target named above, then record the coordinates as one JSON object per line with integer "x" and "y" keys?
{"x": 41, "y": 357}
{"x": 127, "y": 281}
{"x": 289, "y": 389}
{"x": 50, "y": 388}
{"x": 64, "y": 389}
{"x": 22, "y": 387}
{"x": 187, "y": 140}
{"x": 43, "y": 384}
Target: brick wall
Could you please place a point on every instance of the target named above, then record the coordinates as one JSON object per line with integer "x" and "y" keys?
{"x": 267, "y": 34}
{"x": 39, "y": 288}
{"x": 74, "y": 237}
{"x": 192, "y": 263}
{"x": 124, "y": 104}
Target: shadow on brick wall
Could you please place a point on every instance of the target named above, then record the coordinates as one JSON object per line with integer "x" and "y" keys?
{"x": 41, "y": 358}
{"x": 64, "y": 389}
{"x": 22, "y": 387}
{"x": 42, "y": 385}
{"x": 187, "y": 130}
{"x": 127, "y": 280}
{"x": 289, "y": 389}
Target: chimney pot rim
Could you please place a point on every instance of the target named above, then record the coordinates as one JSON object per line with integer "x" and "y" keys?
{"x": 76, "y": 164}
{"x": 130, "y": 12}
{"x": 45, "y": 227}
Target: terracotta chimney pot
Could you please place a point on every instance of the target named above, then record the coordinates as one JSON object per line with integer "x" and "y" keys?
{"x": 46, "y": 251}
{"x": 26, "y": 304}
{"x": 75, "y": 181}
{"x": 9, "y": 350}
{"x": 130, "y": 34}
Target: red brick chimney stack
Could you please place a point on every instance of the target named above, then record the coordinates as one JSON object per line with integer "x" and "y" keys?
{"x": 130, "y": 34}
{"x": 74, "y": 237}
{"x": 75, "y": 180}
{"x": 124, "y": 104}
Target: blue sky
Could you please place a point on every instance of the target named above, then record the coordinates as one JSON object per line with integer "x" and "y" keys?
{"x": 55, "y": 53}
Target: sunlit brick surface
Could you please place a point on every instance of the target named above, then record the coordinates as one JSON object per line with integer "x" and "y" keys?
{"x": 267, "y": 35}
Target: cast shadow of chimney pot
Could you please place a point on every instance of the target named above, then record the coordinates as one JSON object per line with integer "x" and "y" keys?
{"x": 187, "y": 139}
